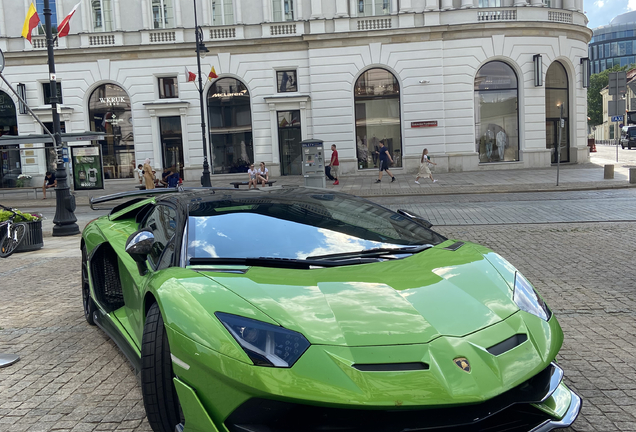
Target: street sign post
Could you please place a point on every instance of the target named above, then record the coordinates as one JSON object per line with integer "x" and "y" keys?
{"x": 616, "y": 107}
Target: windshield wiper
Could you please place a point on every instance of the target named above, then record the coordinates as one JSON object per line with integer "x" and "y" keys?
{"x": 375, "y": 252}
{"x": 290, "y": 263}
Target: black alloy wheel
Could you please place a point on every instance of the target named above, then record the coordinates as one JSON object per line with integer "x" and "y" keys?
{"x": 160, "y": 396}
{"x": 89, "y": 304}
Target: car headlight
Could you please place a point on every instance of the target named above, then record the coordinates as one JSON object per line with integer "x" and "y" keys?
{"x": 265, "y": 344}
{"x": 528, "y": 300}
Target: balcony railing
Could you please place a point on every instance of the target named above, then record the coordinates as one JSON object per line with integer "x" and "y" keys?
{"x": 563, "y": 17}
{"x": 497, "y": 15}
{"x": 101, "y": 40}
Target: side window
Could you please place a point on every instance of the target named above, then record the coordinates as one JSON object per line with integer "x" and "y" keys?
{"x": 163, "y": 223}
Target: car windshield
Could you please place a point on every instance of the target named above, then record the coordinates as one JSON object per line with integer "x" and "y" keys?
{"x": 296, "y": 226}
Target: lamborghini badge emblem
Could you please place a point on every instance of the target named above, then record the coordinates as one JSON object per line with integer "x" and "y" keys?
{"x": 462, "y": 363}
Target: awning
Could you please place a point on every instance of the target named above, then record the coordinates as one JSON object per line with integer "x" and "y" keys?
{"x": 71, "y": 138}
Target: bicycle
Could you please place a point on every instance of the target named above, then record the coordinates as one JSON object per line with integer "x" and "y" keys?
{"x": 14, "y": 235}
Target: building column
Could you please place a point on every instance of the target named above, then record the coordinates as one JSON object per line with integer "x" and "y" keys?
{"x": 316, "y": 9}
{"x": 536, "y": 3}
{"x": 177, "y": 13}
{"x": 205, "y": 19}
{"x": 341, "y": 9}
{"x": 432, "y": 5}
{"x": 183, "y": 113}
{"x": 238, "y": 11}
{"x": 299, "y": 10}
{"x": 86, "y": 16}
{"x": 394, "y": 7}
{"x": 117, "y": 16}
{"x": 447, "y": 4}
{"x": 520, "y": 3}
{"x": 406, "y": 6}
{"x": 568, "y": 4}
{"x": 468, "y": 4}
{"x": 145, "y": 12}
{"x": 267, "y": 11}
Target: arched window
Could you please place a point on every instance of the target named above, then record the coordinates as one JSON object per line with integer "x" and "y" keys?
{"x": 377, "y": 102}
{"x": 109, "y": 112}
{"x": 230, "y": 125}
{"x": 496, "y": 114}
{"x": 556, "y": 95}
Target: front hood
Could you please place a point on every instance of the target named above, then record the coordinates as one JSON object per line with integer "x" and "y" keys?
{"x": 413, "y": 300}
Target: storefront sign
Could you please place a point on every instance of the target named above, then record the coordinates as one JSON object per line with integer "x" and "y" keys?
{"x": 87, "y": 168}
{"x": 112, "y": 101}
{"x": 417, "y": 124}
{"x": 222, "y": 95}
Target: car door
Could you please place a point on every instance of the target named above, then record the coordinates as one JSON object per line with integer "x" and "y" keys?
{"x": 162, "y": 220}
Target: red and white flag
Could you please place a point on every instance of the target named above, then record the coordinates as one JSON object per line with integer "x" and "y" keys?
{"x": 64, "y": 27}
{"x": 189, "y": 75}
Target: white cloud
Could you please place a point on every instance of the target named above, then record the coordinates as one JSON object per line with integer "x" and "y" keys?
{"x": 631, "y": 5}
{"x": 600, "y": 3}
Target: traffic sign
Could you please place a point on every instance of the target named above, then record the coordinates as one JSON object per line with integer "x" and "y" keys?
{"x": 617, "y": 118}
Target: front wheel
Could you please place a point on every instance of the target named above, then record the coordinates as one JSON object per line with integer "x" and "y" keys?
{"x": 160, "y": 396}
{"x": 11, "y": 240}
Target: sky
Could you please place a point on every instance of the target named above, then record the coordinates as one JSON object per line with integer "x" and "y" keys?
{"x": 601, "y": 12}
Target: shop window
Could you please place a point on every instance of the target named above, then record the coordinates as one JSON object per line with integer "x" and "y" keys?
{"x": 168, "y": 88}
{"x": 10, "y": 162}
{"x": 230, "y": 125}
{"x": 286, "y": 81}
{"x": 46, "y": 91}
{"x": 282, "y": 10}
{"x": 109, "y": 111}
{"x": 102, "y": 14}
{"x": 162, "y": 14}
{"x": 374, "y": 7}
{"x": 496, "y": 115}
{"x": 222, "y": 12}
{"x": 556, "y": 95}
{"x": 377, "y": 116}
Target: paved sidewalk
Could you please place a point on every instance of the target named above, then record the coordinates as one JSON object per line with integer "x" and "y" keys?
{"x": 587, "y": 176}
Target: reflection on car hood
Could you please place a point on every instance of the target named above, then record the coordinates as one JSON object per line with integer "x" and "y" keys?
{"x": 412, "y": 300}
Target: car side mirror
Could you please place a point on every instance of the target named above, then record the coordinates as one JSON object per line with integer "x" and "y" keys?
{"x": 138, "y": 246}
{"x": 419, "y": 219}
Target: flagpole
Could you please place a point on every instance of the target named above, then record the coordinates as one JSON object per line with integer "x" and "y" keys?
{"x": 64, "y": 220}
{"x": 205, "y": 178}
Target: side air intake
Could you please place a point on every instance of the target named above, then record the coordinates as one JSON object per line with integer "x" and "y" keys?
{"x": 508, "y": 344}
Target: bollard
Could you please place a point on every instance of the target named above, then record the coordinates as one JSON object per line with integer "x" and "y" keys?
{"x": 608, "y": 172}
{"x": 632, "y": 175}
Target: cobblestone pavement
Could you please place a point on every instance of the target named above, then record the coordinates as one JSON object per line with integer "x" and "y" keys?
{"x": 73, "y": 378}
{"x": 521, "y": 208}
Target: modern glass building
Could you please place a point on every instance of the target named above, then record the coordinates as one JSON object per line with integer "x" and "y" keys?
{"x": 614, "y": 44}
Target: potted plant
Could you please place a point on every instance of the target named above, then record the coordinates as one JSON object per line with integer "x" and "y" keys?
{"x": 24, "y": 180}
{"x": 32, "y": 239}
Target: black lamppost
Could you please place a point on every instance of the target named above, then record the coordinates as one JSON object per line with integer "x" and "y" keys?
{"x": 64, "y": 220}
{"x": 205, "y": 178}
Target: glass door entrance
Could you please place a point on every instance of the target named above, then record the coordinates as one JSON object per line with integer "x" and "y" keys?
{"x": 289, "y": 138}
{"x": 551, "y": 136}
{"x": 172, "y": 142}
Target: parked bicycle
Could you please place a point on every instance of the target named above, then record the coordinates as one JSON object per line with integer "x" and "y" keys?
{"x": 13, "y": 235}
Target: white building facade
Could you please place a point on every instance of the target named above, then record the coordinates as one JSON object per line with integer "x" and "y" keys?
{"x": 459, "y": 77}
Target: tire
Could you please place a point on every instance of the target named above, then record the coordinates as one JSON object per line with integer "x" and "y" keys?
{"x": 12, "y": 239}
{"x": 160, "y": 396}
{"x": 87, "y": 301}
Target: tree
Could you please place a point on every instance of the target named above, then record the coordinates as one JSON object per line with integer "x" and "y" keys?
{"x": 594, "y": 99}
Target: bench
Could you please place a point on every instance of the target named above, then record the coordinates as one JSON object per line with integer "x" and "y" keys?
{"x": 244, "y": 183}
{"x": 25, "y": 190}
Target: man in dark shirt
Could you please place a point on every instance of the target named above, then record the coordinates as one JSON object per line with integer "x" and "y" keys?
{"x": 385, "y": 158}
{"x": 49, "y": 182}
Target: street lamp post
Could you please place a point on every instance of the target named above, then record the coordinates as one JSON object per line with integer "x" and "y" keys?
{"x": 64, "y": 220}
{"x": 205, "y": 178}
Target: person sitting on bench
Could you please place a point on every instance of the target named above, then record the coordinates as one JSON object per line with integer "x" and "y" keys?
{"x": 252, "y": 173}
{"x": 263, "y": 175}
{"x": 49, "y": 182}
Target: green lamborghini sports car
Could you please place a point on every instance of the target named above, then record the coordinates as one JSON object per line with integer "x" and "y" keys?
{"x": 306, "y": 310}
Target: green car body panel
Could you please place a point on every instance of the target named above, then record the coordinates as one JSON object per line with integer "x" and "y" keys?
{"x": 431, "y": 307}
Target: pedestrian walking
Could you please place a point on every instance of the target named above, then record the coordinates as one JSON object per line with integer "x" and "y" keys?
{"x": 425, "y": 170}
{"x": 335, "y": 164}
{"x": 385, "y": 160}
{"x": 149, "y": 176}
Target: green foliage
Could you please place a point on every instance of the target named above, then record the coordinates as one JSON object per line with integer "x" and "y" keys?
{"x": 21, "y": 217}
{"x": 594, "y": 99}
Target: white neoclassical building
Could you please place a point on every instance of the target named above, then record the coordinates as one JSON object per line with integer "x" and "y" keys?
{"x": 477, "y": 82}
